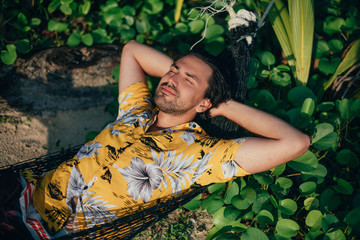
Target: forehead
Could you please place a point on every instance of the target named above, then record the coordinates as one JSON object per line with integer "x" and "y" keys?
{"x": 195, "y": 66}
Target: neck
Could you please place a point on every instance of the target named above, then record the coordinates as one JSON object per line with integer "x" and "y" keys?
{"x": 165, "y": 120}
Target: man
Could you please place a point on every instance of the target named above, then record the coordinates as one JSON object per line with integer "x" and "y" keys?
{"x": 150, "y": 154}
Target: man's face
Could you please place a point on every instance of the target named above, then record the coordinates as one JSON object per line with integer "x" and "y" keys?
{"x": 182, "y": 89}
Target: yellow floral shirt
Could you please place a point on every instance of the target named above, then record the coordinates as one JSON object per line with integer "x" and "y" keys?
{"x": 125, "y": 168}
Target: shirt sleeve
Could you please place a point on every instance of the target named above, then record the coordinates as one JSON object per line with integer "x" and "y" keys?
{"x": 221, "y": 166}
{"x": 135, "y": 100}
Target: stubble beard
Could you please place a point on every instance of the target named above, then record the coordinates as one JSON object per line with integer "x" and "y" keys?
{"x": 174, "y": 106}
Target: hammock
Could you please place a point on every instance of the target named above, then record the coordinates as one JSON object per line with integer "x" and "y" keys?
{"x": 126, "y": 227}
{"x": 237, "y": 56}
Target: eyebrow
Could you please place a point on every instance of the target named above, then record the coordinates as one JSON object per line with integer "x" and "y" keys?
{"x": 193, "y": 76}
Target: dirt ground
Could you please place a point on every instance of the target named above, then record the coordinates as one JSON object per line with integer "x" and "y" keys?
{"x": 51, "y": 100}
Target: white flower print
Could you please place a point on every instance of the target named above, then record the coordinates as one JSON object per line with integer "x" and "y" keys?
{"x": 176, "y": 169}
{"x": 202, "y": 166}
{"x": 188, "y": 137}
{"x": 229, "y": 169}
{"x": 96, "y": 210}
{"x": 143, "y": 178}
{"x": 87, "y": 151}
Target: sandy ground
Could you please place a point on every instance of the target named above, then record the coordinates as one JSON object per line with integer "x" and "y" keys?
{"x": 51, "y": 100}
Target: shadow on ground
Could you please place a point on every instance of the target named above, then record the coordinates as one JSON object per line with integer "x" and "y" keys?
{"x": 52, "y": 99}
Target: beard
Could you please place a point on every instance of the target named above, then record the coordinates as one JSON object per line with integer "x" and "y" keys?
{"x": 175, "y": 105}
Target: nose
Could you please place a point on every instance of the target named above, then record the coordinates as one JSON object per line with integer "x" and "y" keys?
{"x": 174, "y": 79}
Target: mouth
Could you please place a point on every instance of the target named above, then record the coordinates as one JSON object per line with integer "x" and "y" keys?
{"x": 168, "y": 90}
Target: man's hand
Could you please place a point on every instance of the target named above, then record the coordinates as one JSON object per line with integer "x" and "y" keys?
{"x": 217, "y": 111}
{"x": 278, "y": 142}
{"x": 138, "y": 59}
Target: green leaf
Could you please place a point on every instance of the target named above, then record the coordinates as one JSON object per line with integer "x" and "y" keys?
{"x": 287, "y": 206}
{"x": 233, "y": 189}
{"x": 277, "y": 171}
{"x": 214, "y": 31}
{"x": 263, "y": 178}
{"x": 34, "y": 22}
{"x": 329, "y": 200}
{"x": 353, "y": 217}
{"x": 74, "y": 40}
{"x": 254, "y": 233}
{"x": 355, "y": 107}
{"x": 311, "y": 203}
{"x": 305, "y": 163}
{"x": 308, "y": 107}
{"x": 216, "y": 46}
{"x": 281, "y": 78}
{"x": 232, "y": 213}
{"x": 344, "y": 107}
{"x": 216, "y": 188}
{"x": 326, "y": 106}
{"x": 193, "y": 204}
{"x": 87, "y": 39}
{"x": 21, "y": 18}
{"x": 297, "y": 95}
{"x": 178, "y": 7}
{"x": 264, "y": 217}
{"x": 142, "y": 25}
{"x": 313, "y": 220}
{"x": 284, "y": 182}
{"x": 307, "y": 188}
{"x": 322, "y": 49}
{"x": 329, "y": 221}
{"x": 351, "y": 57}
{"x": 266, "y": 58}
{"x": 246, "y": 197}
{"x": 325, "y": 136}
{"x": 336, "y": 45}
{"x": 227, "y": 236}
{"x": 196, "y": 26}
{"x": 333, "y": 25}
{"x": 280, "y": 21}
{"x": 302, "y": 22}
{"x": 9, "y": 55}
{"x": 100, "y": 35}
{"x": 153, "y": 7}
{"x": 287, "y": 227}
{"x": 334, "y": 234}
{"x": 343, "y": 187}
{"x": 57, "y": 26}
{"x": 219, "y": 219}
{"x": 262, "y": 199}
{"x": 127, "y": 33}
{"x": 65, "y": 9}
{"x": 53, "y": 6}
{"x": 23, "y": 46}
{"x": 347, "y": 157}
{"x": 319, "y": 173}
{"x": 181, "y": 28}
{"x": 115, "y": 74}
{"x": 129, "y": 11}
{"x": 212, "y": 204}
{"x": 85, "y": 8}
{"x": 263, "y": 99}
{"x": 327, "y": 66}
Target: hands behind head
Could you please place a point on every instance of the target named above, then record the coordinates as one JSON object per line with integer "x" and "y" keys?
{"x": 219, "y": 110}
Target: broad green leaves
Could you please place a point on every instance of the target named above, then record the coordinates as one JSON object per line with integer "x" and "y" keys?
{"x": 9, "y": 55}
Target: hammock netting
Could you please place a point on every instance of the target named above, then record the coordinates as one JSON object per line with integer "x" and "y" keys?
{"x": 233, "y": 62}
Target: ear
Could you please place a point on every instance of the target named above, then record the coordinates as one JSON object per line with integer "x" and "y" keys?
{"x": 204, "y": 105}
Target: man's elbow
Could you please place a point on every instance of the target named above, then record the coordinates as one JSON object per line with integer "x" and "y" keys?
{"x": 302, "y": 144}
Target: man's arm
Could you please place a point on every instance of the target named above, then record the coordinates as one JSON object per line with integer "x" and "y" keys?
{"x": 278, "y": 142}
{"x": 138, "y": 59}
